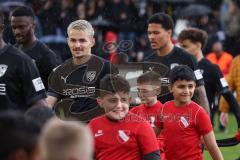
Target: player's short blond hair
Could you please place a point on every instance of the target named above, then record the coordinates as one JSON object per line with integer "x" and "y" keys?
{"x": 81, "y": 25}
{"x": 62, "y": 140}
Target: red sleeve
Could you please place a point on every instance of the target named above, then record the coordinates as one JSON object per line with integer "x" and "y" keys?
{"x": 134, "y": 110}
{"x": 203, "y": 122}
{"x": 146, "y": 138}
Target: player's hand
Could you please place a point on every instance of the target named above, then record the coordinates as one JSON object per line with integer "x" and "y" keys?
{"x": 224, "y": 119}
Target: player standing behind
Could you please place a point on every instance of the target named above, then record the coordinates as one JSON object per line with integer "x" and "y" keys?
{"x": 183, "y": 122}
{"x": 20, "y": 84}
{"x": 193, "y": 40}
{"x": 118, "y": 134}
{"x": 23, "y": 26}
{"x": 149, "y": 86}
{"x": 160, "y": 31}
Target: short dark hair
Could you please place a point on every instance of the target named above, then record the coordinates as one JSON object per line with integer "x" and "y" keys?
{"x": 2, "y": 18}
{"x": 181, "y": 72}
{"x": 23, "y": 11}
{"x": 151, "y": 77}
{"x": 194, "y": 35}
{"x": 17, "y": 132}
{"x": 112, "y": 84}
{"x": 40, "y": 114}
{"x": 163, "y": 19}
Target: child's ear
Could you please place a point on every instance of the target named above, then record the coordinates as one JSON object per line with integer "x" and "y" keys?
{"x": 100, "y": 102}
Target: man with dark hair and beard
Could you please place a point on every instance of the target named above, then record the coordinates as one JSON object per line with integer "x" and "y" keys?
{"x": 20, "y": 84}
{"x": 160, "y": 31}
{"x": 23, "y": 25}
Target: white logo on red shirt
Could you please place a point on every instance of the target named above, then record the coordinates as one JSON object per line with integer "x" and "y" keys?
{"x": 183, "y": 122}
{"x": 123, "y": 136}
{"x": 152, "y": 121}
{"x": 99, "y": 133}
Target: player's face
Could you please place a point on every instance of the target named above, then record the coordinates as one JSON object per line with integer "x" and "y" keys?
{"x": 80, "y": 43}
{"x": 116, "y": 106}
{"x": 189, "y": 46}
{"x": 23, "y": 28}
{"x": 148, "y": 93}
{"x": 183, "y": 91}
{"x": 158, "y": 36}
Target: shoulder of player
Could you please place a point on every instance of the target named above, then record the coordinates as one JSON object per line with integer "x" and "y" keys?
{"x": 134, "y": 118}
{"x": 150, "y": 57}
{"x": 208, "y": 64}
{"x": 137, "y": 109}
{"x": 168, "y": 103}
{"x": 195, "y": 107}
{"x": 17, "y": 54}
{"x": 96, "y": 120}
{"x": 182, "y": 53}
{"x": 64, "y": 65}
{"x": 40, "y": 46}
{"x": 93, "y": 56}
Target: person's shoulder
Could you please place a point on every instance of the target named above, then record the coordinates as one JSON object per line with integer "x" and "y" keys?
{"x": 97, "y": 120}
{"x": 43, "y": 48}
{"x": 168, "y": 103}
{"x": 137, "y": 108}
{"x": 210, "y": 55}
{"x": 206, "y": 62}
{"x": 17, "y": 54}
{"x": 152, "y": 56}
{"x": 41, "y": 45}
{"x": 134, "y": 118}
{"x": 227, "y": 56}
{"x": 66, "y": 64}
{"x": 195, "y": 107}
{"x": 95, "y": 57}
{"x": 181, "y": 52}
{"x": 159, "y": 103}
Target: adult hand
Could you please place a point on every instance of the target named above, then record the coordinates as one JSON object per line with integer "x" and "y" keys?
{"x": 224, "y": 119}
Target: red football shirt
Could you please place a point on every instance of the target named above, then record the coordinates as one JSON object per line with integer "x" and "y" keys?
{"x": 182, "y": 128}
{"x": 152, "y": 115}
{"x": 128, "y": 139}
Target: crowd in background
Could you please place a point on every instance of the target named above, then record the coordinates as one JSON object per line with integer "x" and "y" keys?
{"x": 121, "y": 24}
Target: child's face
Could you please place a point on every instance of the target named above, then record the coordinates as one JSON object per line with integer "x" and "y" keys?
{"x": 183, "y": 91}
{"x": 147, "y": 92}
{"x": 116, "y": 106}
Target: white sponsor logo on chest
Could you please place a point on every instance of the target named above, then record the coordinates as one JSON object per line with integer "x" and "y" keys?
{"x": 91, "y": 75}
{"x": 123, "y": 135}
{"x": 3, "y": 69}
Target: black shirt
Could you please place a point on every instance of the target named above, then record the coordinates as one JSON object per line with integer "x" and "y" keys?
{"x": 20, "y": 83}
{"x": 176, "y": 57}
{"x": 213, "y": 79}
{"x": 79, "y": 82}
{"x": 44, "y": 58}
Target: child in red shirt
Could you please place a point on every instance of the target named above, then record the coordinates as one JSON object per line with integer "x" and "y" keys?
{"x": 120, "y": 135}
{"x": 184, "y": 122}
{"x": 149, "y": 86}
